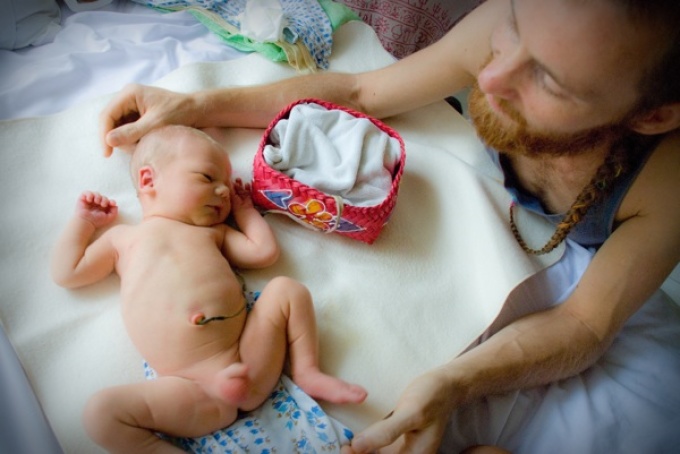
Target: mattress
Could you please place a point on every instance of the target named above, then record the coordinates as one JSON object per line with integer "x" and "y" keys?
{"x": 444, "y": 269}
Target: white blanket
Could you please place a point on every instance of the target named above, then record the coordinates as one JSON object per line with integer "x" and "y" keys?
{"x": 432, "y": 282}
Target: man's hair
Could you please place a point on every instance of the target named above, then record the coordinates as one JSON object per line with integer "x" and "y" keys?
{"x": 660, "y": 83}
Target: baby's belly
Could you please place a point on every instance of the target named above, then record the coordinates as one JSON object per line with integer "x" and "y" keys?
{"x": 165, "y": 333}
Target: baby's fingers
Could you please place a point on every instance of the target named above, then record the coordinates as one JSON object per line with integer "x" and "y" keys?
{"x": 241, "y": 187}
{"x": 92, "y": 198}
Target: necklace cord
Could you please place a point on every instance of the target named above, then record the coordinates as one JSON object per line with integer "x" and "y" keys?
{"x": 613, "y": 166}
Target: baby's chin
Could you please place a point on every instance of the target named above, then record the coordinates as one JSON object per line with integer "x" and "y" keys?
{"x": 209, "y": 219}
{"x": 209, "y": 222}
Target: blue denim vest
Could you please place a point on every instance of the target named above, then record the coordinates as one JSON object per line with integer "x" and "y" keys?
{"x": 598, "y": 223}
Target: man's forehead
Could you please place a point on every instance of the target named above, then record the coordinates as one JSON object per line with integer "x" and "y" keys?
{"x": 587, "y": 46}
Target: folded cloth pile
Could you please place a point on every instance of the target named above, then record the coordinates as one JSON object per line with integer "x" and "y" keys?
{"x": 297, "y": 31}
{"x": 334, "y": 152}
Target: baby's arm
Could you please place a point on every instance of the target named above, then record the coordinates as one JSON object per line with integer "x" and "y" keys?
{"x": 255, "y": 245}
{"x": 76, "y": 261}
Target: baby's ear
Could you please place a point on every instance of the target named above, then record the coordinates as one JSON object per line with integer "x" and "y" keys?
{"x": 145, "y": 179}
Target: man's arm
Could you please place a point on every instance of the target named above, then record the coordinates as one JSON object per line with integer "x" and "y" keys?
{"x": 429, "y": 75}
{"x": 560, "y": 342}
{"x": 422, "y": 78}
{"x": 630, "y": 266}
{"x": 565, "y": 340}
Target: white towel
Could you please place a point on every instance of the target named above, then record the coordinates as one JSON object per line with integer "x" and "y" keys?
{"x": 335, "y": 152}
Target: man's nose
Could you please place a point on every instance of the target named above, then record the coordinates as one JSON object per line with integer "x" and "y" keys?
{"x": 502, "y": 75}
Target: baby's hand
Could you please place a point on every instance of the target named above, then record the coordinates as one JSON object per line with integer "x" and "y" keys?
{"x": 240, "y": 196}
{"x": 97, "y": 209}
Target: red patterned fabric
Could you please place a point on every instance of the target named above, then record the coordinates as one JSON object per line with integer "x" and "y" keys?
{"x": 404, "y": 26}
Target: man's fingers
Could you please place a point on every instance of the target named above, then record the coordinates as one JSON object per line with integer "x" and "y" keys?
{"x": 423, "y": 441}
{"x": 105, "y": 125}
{"x": 126, "y": 136}
{"x": 346, "y": 450}
{"x": 381, "y": 434}
{"x": 123, "y": 109}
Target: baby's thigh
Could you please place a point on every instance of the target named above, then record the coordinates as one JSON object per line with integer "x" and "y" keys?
{"x": 171, "y": 405}
{"x": 264, "y": 339}
{"x": 278, "y": 300}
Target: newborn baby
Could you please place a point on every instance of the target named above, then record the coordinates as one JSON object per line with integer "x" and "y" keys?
{"x": 182, "y": 303}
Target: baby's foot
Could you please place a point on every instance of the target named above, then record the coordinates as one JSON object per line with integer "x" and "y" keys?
{"x": 232, "y": 383}
{"x": 331, "y": 389}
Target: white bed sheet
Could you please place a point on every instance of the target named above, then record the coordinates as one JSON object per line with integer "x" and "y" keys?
{"x": 98, "y": 52}
{"x": 60, "y": 337}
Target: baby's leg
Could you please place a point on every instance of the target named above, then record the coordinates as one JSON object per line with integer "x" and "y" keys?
{"x": 231, "y": 384}
{"x": 283, "y": 317}
{"x": 123, "y": 419}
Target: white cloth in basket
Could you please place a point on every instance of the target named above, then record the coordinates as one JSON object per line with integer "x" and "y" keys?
{"x": 334, "y": 152}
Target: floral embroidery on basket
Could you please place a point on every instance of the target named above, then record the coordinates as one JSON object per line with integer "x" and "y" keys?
{"x": 312, "y": 212}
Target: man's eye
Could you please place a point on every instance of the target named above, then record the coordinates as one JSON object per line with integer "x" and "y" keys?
{"x": 546, "y": 82}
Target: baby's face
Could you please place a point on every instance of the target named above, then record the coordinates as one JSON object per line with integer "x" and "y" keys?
{"x": 194, "y": 187}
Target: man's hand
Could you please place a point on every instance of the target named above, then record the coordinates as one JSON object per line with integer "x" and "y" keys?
{"x": 136, "y": 110}
{"x": 418, "y": 421}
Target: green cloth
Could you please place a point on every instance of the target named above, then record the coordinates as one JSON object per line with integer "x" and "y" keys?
{"x": 230, "y": 35}
{"x": 337, "y": 13}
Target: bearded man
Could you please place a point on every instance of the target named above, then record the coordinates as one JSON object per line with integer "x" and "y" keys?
{"x": 579, "y": 103}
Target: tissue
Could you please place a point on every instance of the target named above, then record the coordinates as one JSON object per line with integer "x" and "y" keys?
{"x": 263, "y": 21}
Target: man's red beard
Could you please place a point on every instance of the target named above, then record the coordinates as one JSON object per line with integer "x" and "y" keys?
{"x": 514, "y": 137}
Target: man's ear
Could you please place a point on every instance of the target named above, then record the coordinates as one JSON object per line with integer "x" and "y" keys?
{"x": 658, "y": 121}
{"x": 145, "y": 179}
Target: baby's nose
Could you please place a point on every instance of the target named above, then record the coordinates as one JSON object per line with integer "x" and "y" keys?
{"x": 222, "y": 190}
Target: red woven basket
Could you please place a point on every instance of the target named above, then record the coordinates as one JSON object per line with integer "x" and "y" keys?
{"x": 277, "y": 192}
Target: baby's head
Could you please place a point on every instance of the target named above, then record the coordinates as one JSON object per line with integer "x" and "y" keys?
{"x": 182, "y": 173}
{"x": 163, "y": 144}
